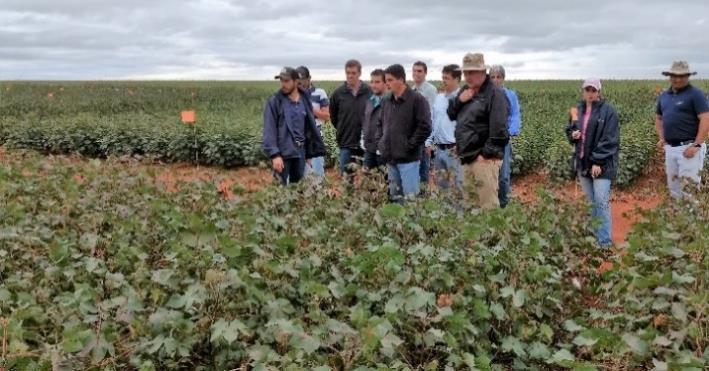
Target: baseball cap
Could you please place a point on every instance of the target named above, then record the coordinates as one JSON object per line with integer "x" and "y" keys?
{"x": 592, "y": 82}
{"x": 304, "y": 72}
{"x": 287, "y": 73}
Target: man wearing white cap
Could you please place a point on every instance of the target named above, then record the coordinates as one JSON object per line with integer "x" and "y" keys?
{"x": 682, "y": 124}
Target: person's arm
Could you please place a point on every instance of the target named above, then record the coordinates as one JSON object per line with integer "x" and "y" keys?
{"x": 454, "y": 106}
{"x": 422, "y": 117}
{"x": 515, "y": 119}
{"x": 366, "y": 122}
{"x": 270, "y": 130}
{"x": 334, "y": 108}
{"x": 658, "y": 125}
{"x": 609, "y": 141}
{"x": 703, "y": 128}
{"x": 702, "y": 106}
{"x": 323, "y": 113}
{"x": 499, "y": 134}
{"x": 573, "y": 125}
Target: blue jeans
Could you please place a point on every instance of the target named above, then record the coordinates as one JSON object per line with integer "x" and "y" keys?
{"x": 598, "y": 193}
{"x": 403, "y": 180}
{"x": 447, "y": 167}
{"x": 505, "y": 174}
{"x": 425, "y": 166}
{"x": 316, "y": 167}
{"x": 349, "y": 156}
{"x": 293, "y": 169}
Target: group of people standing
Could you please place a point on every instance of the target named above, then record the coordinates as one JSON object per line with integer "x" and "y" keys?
{"x": 463, "y": 131}
{"x": 405, "y": 130}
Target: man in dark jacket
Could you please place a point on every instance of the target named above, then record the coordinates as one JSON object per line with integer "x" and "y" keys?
{"x": 347, "y": 105}
{"x": 481, "y": 133}
{"x": 406, "y": 119}
{"x": 372, "y": 123}
{"x": 290, "y": 134}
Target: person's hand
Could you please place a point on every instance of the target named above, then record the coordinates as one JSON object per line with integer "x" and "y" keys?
{"x": 309, "y": 162}
{"x": 574, "y": 113}
{"x": 690, "y": 152}
{"x": 277, "y": 163}
{"x": 466, "y": 95}
{"x": 661, "y": 144}
{"x": 482, "y": 160}
{"x": 596, "y": 171}
{"x": 576, "y": 134}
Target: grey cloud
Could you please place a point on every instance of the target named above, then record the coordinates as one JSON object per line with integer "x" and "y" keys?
{"x": 113, "y": 39}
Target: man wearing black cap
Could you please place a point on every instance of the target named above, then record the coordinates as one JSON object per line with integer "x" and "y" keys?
{"x": 290, "y": 134}
{"x": 321, "y": 110}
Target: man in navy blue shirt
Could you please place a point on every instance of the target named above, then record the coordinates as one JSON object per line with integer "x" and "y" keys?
{"x": 290, "y": 133}
{"x": 682, "y": 124}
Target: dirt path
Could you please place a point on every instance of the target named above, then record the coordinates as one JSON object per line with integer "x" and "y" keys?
{"x": 646, "y": 193}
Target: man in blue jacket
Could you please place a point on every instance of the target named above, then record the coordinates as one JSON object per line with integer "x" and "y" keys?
{"x": 514, "y": 126}
{"x": 290, "y": 133}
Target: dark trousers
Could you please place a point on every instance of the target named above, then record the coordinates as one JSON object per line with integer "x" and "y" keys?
{"x": 350, "y": 156}
{"x": 293, "y": 169}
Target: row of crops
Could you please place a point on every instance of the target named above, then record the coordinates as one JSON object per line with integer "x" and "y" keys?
{"x": 102, "y": 269}
{"x": 100, "y": 119}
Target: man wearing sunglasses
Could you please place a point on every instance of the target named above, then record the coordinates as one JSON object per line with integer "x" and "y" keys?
{"x": 682, "y": 124}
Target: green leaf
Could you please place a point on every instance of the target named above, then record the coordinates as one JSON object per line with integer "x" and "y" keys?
{"x": 679, "y": 311}
{"x": 682, "y": 278}
{"x": 469, "y": 361}
{"x": 636, "y": 344}
{"x": 507, "y": 291}
{"x": 659, "y": 365}
{"x": 562, "y": 356}
{"x": 571, "y": 326}
{"x": 498, "y": 311}
{"x": 306, "y": 343}
{"x": 513, "y": 344}
{"x": 519, "y": 298}
{"x": 538, "y": 350}
{"x": 582, "y": 341}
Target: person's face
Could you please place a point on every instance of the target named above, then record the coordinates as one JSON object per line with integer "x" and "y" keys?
{"x": 590, "y": 94}
{"x": 352, "y": 74}
{"x": 497, "y": 79}
{"x": 288, "y": 85}
{"x": 395, "y": 85}
{"x": 377, "y": 85}
{"x": 304, "y": 83}
{"x": 679, "y": 81}
{"x": 474, "y": 79}
{"x": 449, "y": 83}
{"x": 418, "y": 74}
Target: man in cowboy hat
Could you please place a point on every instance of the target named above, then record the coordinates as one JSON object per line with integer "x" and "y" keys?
{"x": 480, "y": 110}
{"x": 682, "y": 124}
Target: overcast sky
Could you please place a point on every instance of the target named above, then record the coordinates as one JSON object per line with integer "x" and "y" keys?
{"x": 252, "y": 39}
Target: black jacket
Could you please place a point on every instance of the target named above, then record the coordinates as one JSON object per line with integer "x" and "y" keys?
{"x": 602, "y": 145}
{"x": 346, "y": 114}
{"x": 277, "y": 137}
{"x": 406, "y": 126}
{"x": 372, "y": 126}
{"x": 481, "y": 123}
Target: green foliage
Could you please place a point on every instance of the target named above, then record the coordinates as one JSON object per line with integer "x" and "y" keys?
{"x": 112, "y": 272}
